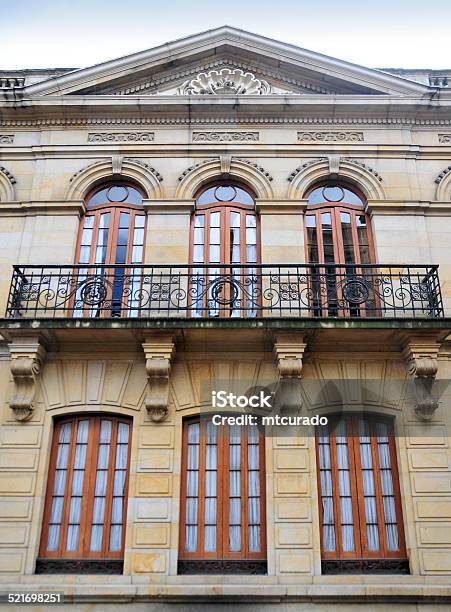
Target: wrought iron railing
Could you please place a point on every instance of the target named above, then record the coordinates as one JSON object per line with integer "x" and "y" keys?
{"x": 257, "y": 290}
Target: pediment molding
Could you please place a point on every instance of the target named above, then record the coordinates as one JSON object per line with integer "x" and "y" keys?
{"x": 177, "y": 79}
{"x": 311, "y": 66}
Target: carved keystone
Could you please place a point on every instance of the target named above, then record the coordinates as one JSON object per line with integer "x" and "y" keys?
{"x": 289, "y": 351}
{"x": 159, "y": 350}
{"x": 27, "y": 356}
{"x": 420, "y": 354}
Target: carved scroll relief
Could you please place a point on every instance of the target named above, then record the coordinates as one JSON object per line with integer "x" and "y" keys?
{"x": 289, "y": 350}
{"x": 27, "y": 358}
{"x": 159, "y": 350}
{"x": 421, "y": 360}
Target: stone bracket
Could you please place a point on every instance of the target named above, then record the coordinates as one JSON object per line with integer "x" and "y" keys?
{"x": 289, "y": 350}
{"x": 159, "y": 350}
{"x": 28, "y": 354}
{"x": 420, "y": 354}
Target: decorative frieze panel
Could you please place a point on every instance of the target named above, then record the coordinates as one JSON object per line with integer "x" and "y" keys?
{"x": 444, "y": 138}
{"x": 330, "y": 136}
{"x": 6, "y": 139}
{"x": 226, "y": 136}
{"x": 120, "y": 137}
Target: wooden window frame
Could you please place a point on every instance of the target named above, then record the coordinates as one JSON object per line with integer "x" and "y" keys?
{"x": 83, "y": 552}
{"x": 335, "y": 209}
{"x": 224, "y": 208}
{"x": 361, "y": 552}
{"x": 114, "y": 209}
{"x": 222, "y": 517}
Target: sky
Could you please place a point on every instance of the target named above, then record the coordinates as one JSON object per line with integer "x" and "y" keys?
{"x": 79, "y": 33}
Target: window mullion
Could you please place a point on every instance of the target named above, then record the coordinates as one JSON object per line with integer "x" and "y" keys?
{"x": 244, "y": 494}
{"x": 335, "y": 493}
{"x": 67, "y": 492}
{"x": 88, "y": 497}
{"x": 356, "y": 487}
{"x": 110, "y": 485}
{"x": 201, "y": 490}
{"x": 378, "y": 488}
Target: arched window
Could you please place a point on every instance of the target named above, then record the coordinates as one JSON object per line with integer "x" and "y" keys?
{"x": 338, "y": 230}
{"x": 224, "y": 247}
{"x": 360, "y": 502}
{"x": 111, "y": 236}
{"x": 222, "y": 524}
{"x": 339, "y": 243}
{"x": 86, "y": 500}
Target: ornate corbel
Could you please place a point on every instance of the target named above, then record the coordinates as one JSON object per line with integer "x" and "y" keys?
{"x": 420, "y": 354}
{"x": 159, "y": 350}
{"x": 289, "y": 352}
{"x": 27, "y": 357}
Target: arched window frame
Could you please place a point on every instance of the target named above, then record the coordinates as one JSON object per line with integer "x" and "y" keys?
{"x": 116, "y": 208}
{"x": 208, "y": 271}
{"x": 350, "y": 485}
{"x": 90, "y": 461}
{"x": 336, "y": 209}
{"x": 113, "y": 234}
{"x": 224, "y": 207}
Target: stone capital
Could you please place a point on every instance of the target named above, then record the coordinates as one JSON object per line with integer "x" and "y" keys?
{"x": 28, "y": 354}
{"x": 159, "y": 348}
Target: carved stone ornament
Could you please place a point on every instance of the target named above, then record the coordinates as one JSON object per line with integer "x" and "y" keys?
{"x": 422, "y": 366}
{"x": 289, "y": 351}
{"x": 225, "y": 82}
{"x": 332, "y": 136}
{"x": 27, "y": 357}
{"x": 121, "y": 137}
{"x": 159, "y": 350}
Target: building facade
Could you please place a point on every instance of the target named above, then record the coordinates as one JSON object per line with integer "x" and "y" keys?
{"x": 226, "y": 212}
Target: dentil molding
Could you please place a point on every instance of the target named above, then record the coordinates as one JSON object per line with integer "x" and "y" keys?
{"x": 158, "y": 350}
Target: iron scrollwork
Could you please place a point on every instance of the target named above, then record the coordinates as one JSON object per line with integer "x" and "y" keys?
{"x": 337, "y": 290}
{"x": 222, "y": 566}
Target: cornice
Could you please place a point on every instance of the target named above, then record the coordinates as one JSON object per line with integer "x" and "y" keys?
{"x": 47, "y": 207}
{"x": 404, "y": 207}
{"x": 280, "y": 206}
{"x": 207, "y": 120}
{"x": 170, "y": 206}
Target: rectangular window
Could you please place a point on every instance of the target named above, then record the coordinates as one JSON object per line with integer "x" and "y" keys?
{"x": 86, "y": 497}
{"x": 223, "y": 496}
{"x": 360, "y": 504}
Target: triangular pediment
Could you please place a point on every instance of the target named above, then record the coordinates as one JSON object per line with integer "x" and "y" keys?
{"x": 226, "y": 61}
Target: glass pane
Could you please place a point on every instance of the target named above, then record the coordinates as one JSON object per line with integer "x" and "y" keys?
{"x": 346, "y": 232}
{"x": 328, "y": 241}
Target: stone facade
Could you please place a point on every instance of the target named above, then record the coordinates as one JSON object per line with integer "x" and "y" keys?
{"x": 171, "y": 130}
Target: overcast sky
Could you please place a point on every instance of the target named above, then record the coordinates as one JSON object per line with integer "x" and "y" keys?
{"x": 78, "y": 33}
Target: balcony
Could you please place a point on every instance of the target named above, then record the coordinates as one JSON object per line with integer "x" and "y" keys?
{"x": 214, "y": 292}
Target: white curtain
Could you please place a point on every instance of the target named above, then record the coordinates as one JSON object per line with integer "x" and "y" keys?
{"x": 326, "y": 489}
{"x": 192, "y": 488}
{"x": 344, "y": 486}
